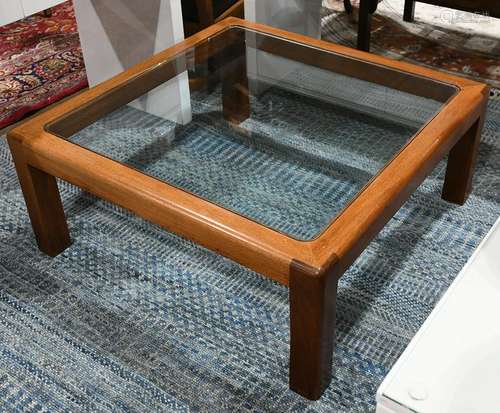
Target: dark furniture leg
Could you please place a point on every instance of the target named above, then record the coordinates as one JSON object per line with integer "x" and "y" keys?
{"x": 312, "y": 330}
{"x": 364, "y": 24}
{"x": 409, "y": 11}
{"x": 235, "y": 93}
{"x": 44, "y": 204}
{"x": 461, "y": 163}
{"x": 205, "y": 10}
{"x": 348, "y": 6}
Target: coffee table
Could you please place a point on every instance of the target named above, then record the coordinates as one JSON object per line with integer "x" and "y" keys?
{"x": 297, "y": 154}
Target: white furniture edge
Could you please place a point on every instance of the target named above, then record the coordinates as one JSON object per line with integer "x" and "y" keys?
{"x": 117, "y": 34}
{"x": 14, "y": 10}
{"x": 384, "y": 403}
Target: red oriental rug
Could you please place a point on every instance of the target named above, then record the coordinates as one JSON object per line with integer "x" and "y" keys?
{"x": 40, "y": 62}
{"x": 452, "y": 41}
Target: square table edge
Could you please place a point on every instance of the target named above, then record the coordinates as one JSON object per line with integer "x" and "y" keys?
{"x": 232, "y": 22}
{"x": 356, "y": 225}
{"x": 310, "y": 253}
{"x": 411, "y": 68}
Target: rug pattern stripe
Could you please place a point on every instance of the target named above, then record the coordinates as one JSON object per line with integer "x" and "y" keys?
{"x": 133, "y": 318}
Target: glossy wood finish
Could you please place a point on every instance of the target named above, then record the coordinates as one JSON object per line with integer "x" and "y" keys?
{"x": 313, "y": 296}
{"x": 461, "y": 164}
{"x": 311, "y": 268}
{"x": 362, "y": 220}
{"x": 43, "y": 202}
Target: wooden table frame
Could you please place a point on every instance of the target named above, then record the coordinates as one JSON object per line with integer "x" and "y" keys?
{"x": 311, "y": 269}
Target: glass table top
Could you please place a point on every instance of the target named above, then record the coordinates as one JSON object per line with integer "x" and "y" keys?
{"x": 282, "y": 133}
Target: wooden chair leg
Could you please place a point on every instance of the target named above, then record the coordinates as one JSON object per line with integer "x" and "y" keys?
{"x": 461, "y": 163}
{"x": 312, "y": 330}
{"x": 43, "y": 202}
{"x": 409, "y": 11}
{"x": 348, "y": 6}
{"x": 364, "y": 26}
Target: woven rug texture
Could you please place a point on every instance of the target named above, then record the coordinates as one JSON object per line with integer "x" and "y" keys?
{"x": 40, "y": 62}
{"x": 280, "y": 168}
{"x": 132, "y": 318}
{"x": 450, "y": 40}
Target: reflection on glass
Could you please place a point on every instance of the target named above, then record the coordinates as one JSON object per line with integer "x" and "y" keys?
{"x": 278, "y": 132}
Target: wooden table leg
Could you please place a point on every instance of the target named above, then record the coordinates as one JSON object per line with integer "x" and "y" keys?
{"x": 205, "y": 11}
{"x": 409, "y": 11}
{"x": 235, "y": 93}
{"x": 43, "y": 202}
{"x": 461, "y": 163}
{"x": 312, "y": 330}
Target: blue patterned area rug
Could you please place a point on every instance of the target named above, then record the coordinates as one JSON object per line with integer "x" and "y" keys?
{"x": 131, "y": 318}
